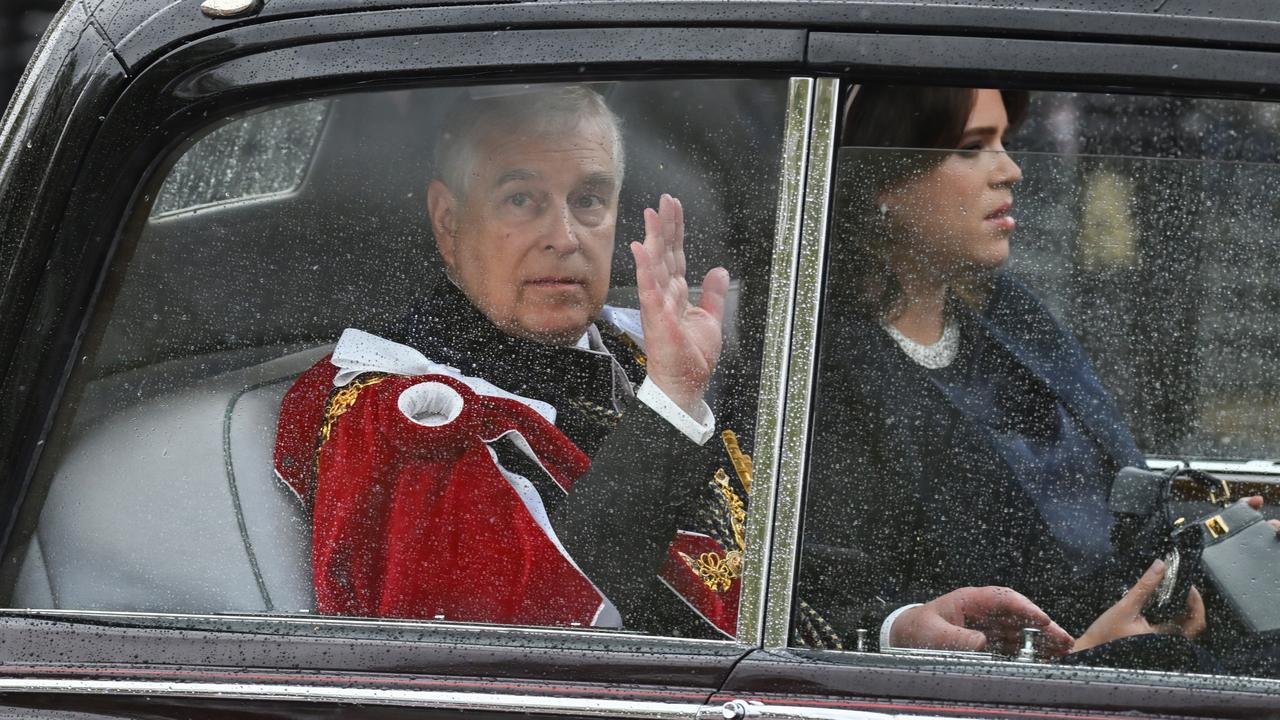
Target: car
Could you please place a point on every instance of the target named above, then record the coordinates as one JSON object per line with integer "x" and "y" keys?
{"x": 198, "y": 196}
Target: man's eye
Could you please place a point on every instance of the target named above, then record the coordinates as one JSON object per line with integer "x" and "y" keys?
{"x": 519, "y": 199}
{"x": 588, "y": 202}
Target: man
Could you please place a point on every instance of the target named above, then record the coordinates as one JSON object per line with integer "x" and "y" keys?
{"x": 446, "y": 459}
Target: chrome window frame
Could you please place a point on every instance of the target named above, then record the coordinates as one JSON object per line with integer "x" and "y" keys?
{"x": 771, "y": 412}
{"x": 522, "y": 704}
{"x": 788, "y": 462}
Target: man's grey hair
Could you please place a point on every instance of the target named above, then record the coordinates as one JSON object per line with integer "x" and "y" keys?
{"x": 551, "y": 111}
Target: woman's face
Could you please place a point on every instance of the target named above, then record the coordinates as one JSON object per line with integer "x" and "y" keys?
{"x": 957, "y": 218}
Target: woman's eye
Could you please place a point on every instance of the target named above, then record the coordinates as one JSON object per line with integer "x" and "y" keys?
{"x": 969, "y": 149}
{"x": 519, "y": 199}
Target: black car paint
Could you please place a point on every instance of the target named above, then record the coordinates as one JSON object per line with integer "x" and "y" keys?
{"x": 123, "y": 81}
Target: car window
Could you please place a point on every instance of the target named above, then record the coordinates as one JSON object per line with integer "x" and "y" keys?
{"x": 1025, "y": 294}
{"x": 422, "y": 375}
{"x": 263, "y": 154}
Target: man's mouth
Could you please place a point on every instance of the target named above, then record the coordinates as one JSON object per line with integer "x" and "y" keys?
{"x": 554, "y": 282}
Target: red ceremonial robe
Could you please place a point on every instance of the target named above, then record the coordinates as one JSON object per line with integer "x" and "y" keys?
{"x": 413, "y": 517}
{"x": 417, "y": 520}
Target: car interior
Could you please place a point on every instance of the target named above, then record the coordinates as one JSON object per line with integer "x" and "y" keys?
{"x": 156, "y": 492}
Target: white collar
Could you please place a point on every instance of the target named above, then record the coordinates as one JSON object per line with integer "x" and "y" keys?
{"x": 359, "y": 352}
{"x": 625, "y": 319}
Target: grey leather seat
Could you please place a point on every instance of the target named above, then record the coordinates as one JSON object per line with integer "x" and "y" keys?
{"x": 172, "y": 505}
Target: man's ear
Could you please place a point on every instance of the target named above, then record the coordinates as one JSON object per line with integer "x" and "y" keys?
{"x": 442, "y": 207}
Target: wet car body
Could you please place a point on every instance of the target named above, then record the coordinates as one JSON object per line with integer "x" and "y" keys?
{"x": 116, "y": 83}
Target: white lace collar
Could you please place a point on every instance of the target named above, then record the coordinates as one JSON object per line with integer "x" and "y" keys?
{"x": 935, "y": 356}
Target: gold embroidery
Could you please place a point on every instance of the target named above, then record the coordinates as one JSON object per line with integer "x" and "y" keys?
{"x": 339, "y": 402}
{"x": 602, "y": 415}
{"x": 715, "y": 570}
{"x": 741, "y": 461}
{"x": 737, "y": 510}
{"x": 632, "y": 345}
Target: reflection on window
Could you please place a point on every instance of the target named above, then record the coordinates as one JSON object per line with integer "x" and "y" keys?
{"x": 259, "y": 155}
{"x": 418, "y": 385}
{"x": 1009, "y": 330}
{"x": 1138, "y": 257}
{"x": 1168, "y": 287}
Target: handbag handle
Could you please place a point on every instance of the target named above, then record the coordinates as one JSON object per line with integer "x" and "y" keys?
{"x": 1218, "y": 489}
{"x": 1140, "y": 492}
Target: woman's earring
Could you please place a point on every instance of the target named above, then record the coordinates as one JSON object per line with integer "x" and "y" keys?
{"x": 883, "y": 210}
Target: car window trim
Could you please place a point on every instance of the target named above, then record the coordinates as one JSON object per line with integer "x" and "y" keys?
{"x": 137, "y": 46}
{"x": 770, "y": 413}
{"x": 984, "y": 61}
{"x": 373, "y": 694}
{"x": 476, "y": 53}
{"x": 791, "y": 459}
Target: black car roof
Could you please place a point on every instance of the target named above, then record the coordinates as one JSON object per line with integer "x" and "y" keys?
{"x": 141, "y": 28}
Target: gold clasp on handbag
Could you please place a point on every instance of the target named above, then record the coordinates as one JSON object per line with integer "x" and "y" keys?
{"x": 1222, "y": 499}
{"x": 1217, "y": 527}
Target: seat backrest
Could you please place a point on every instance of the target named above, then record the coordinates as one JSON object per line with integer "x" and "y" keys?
{"x": 171, "y": 505}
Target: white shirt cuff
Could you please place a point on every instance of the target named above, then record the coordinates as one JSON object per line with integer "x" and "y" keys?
{"x": 886, "y": 627}
{"x": 699, "y": 431}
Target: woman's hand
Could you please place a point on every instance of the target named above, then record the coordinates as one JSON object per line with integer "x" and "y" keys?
{"x": 682, "y": 341}
{"x": 1125, "y": 617}
{"x": 1255, "y": 502}
{"x": 977, "y": 618}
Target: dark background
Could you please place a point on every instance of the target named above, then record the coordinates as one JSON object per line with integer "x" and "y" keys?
{"x": 21, "y": 24}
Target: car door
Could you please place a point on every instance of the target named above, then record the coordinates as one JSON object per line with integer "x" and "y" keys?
{"x": 239, "y": 193}
{"x": 1133, "y": 232}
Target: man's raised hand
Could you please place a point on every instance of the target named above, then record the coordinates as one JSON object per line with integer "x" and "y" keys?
{"x": 682, "y": 341}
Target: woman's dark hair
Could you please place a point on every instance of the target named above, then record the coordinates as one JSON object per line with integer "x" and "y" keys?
{"x": 895, "y": 116}
{"x": 900, "y": 116}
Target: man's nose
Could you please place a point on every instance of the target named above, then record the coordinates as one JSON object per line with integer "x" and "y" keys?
{"x": 561, "y": 234}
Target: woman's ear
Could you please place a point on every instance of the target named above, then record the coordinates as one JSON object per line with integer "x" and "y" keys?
{"x": 442, "y": 208}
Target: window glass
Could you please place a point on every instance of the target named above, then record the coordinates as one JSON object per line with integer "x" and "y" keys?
{"x": 1173, "y": 236}
{"x": 1026, "y": 294}
{"x": 258, "y": 155}
{"x": 431, "y": 381}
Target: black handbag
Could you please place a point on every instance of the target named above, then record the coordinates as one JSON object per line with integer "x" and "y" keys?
{"x": 1232, "y": 548}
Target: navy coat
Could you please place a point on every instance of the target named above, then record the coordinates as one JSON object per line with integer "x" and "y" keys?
{"x": 908, "y": 499}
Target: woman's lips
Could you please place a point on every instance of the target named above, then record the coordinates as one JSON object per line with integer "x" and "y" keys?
{"x": 1001, "y": 218}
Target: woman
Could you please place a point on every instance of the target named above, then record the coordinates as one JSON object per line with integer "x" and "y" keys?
{"x": 964, "y": 440}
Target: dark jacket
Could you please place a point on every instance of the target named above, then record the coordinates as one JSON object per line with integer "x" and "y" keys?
{"x": 909, "y": 499}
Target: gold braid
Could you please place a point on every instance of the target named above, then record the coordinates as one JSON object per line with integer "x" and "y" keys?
{"x": 339, "y": 402}
{"x": 718, "y": 571}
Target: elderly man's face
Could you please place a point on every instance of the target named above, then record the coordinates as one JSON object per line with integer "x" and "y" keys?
{"x": 532, "y": 242}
